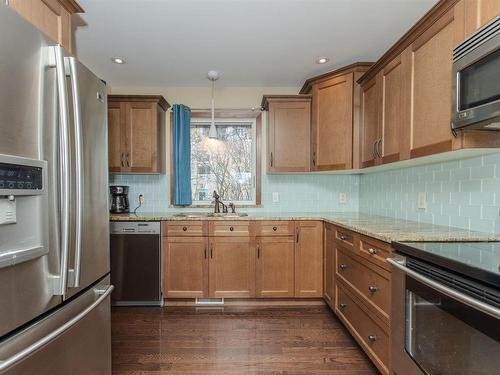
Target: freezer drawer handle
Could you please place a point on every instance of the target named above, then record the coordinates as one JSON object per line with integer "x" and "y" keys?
{"x": 7, "y": 363}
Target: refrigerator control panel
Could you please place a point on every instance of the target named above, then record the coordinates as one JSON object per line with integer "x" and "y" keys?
{"x": 20, "y": 177}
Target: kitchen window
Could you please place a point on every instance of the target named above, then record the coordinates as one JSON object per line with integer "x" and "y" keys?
{"x": 228, "y": 164}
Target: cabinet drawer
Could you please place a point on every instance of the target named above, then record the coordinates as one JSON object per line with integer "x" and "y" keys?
{"x": 367, "y": 331}
{"x": 231, "y": 228}
{"x": 370, "y": 283}
{"x": 184, "y": 228}
{"x": 375, "y": 252}
{"x": 345, "y": 237}
{"x": 274, "y": 228}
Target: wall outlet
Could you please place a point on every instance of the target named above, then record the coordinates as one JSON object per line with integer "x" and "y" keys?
{"x": 422, "y": 200}
{"x": 343, "y": 197}
{"x": 276, "y": 197}
{"x": 141, "y": 198}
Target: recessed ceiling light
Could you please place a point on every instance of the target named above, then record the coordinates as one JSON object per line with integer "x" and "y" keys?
{"x": 322, "y": 60}
{"x": 118, "y": 60}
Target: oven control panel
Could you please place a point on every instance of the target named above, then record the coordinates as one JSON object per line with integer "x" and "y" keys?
{"x": 20, "y": 177}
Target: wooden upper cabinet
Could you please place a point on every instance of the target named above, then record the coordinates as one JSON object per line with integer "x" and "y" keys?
{"x": 478, "y": 13}
{"x": 335, "y": 98}
{"x": 275, "y": 266}
{"x": 232, "y": 267}
{"x": 288, "y": 135}
{"x": 369, "y": 127}
{"x": 136, "y": 133}
{"x": 52, "y": 17}
{"x": 332, "y": 124}
{"x": 392, "y": 114}
{"x": 185, "y": 267}
{"x": 309, "y": 259}
{"x": 429, "y": 74}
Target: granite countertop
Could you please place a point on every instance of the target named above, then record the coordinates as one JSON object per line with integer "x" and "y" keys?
{"x": 383, "y": 228}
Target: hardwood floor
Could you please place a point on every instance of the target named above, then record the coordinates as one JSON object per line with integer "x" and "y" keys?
{"x": 235, "y": 340}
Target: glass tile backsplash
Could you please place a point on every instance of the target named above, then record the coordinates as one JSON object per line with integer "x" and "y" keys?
{"x": 462, "y": 193}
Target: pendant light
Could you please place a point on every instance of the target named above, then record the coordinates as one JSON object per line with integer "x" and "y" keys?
{"x": 213, "y": 76}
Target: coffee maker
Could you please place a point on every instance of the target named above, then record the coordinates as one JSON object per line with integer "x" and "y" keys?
{"x": 119, "y": 199}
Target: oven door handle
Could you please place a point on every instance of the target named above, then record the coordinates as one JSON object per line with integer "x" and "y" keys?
{"x": 464, "y": 298}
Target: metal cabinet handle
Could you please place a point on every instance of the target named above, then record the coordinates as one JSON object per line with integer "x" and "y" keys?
{"x": 121, "y": 160}
{"x": 271, "y": 159}
{"x": 184, "y": 229}
{"x": 297, "y": 235}
{"x": 314, "y": 158}
{"x": 372, "y": 338}
{"x": 211, "y": 251}
{"x": 343, "y": 266}
{"x": 231, "y": 229}
{"x": 205, "y": 253}
{"x": 372, "y": 288}
{"x": 379, "y": 148}
{"x": 374, "y": 153}
{"x": 127, "y": 157}
{"x": 372, "y": 251}
{"x": 258, "y": 251}
{"x": 275, "y": 228}
{"x": 342, "y": 237}
{"x": 343, "y": 305}
{"x": 19, "y": 356}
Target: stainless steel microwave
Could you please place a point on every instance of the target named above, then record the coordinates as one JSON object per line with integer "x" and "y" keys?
{"x": 476, "y": 80}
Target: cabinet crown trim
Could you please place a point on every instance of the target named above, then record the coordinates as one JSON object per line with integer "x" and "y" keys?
{"x": 409, "y": 37}
{"x": 355, "y": 67}
{"x": 162, "y": 102}
{"x": 266, "y": 99}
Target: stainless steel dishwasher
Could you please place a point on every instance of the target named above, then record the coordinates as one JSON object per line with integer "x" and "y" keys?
{"x": 135, "y": 263}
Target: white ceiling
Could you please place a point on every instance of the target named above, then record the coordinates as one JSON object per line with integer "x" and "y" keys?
{"x": 251, "y": 42}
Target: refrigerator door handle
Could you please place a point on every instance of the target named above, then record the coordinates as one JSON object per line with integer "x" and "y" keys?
{"x": 57, "y": 54}
{"x": 19, "y": 356}
{"x": 75, "y": 282}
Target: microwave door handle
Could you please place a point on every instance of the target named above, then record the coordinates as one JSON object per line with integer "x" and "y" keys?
{"x": 19, "y": 356}
{"x": 78, "y": 169}
{"x": 464, "y": 298}
{"x": 60, "y": 282}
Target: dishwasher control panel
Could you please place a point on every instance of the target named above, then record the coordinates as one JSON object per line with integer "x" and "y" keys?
{"x": 134, "y": 227}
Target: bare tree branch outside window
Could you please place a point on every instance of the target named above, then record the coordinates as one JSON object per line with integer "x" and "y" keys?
{"x": 224, "y": 164}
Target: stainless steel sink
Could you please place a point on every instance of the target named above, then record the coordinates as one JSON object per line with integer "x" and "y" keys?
{"x": 228, "y": 215}
{"x": 200, "y": 215}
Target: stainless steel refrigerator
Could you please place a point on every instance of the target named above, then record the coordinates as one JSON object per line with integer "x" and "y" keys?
{"x": 54, "y": 232}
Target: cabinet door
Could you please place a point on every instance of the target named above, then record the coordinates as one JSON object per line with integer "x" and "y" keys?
{"x": 274, "y": 271}
{"x": 391, "y": 112}
{"x": 185, "y": 267}
{"x": 288, "y": 136}
{"x": 141, "y": 154}
{"x": 479, "y": 12}
{"x": 329, "y": 258}
{"x": 49, "y": 16}
{"x": 232, "y": 267}
{"x": 429, "y": 72}
{"x": 332, "y": 124}
{"x": 115, "y": 126}
{"x": 309, "y": 259}
{"x": 369, "y": 123}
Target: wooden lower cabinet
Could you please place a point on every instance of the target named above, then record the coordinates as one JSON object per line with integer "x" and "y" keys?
{"x": 308, "y": 259}
{"x": 275, "y": 266}
{"x": 329, "y": 265}
{"x": 368, "y": 330}
{"x": 232, "y": 267}
{"x": 185, "y": 267}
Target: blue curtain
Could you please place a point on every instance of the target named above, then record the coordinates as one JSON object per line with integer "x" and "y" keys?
{"x": 182, "y": 155}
